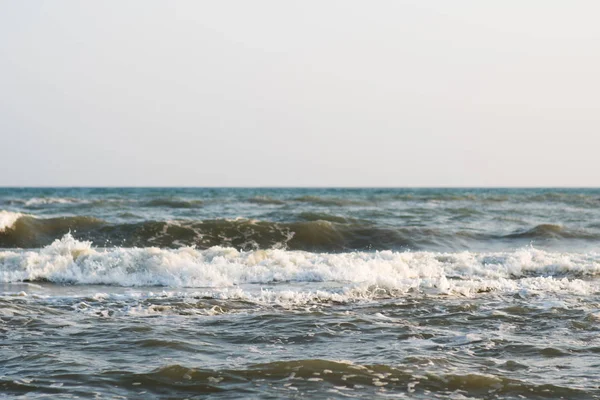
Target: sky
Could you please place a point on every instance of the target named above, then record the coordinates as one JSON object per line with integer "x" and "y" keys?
{"x": 300, "y": 93}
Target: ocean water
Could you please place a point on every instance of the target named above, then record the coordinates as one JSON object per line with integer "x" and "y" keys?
{"x": 299, "y": 293}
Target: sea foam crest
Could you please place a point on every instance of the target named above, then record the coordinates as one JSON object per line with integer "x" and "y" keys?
{"x": 72, "y": 261}
{"x": 35, "y": 201}
{"x": 7, "y": 219}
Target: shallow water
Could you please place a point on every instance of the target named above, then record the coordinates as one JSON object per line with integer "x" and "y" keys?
{"x": 270, "y": 293}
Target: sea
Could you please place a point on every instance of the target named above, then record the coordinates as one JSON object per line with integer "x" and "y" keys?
{"x": 318, "y": 293}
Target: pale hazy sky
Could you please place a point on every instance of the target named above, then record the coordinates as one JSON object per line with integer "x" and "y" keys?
{"x": 300, "y": 93}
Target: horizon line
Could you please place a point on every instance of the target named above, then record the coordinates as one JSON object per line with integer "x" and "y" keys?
{"x": 285, "y": 187}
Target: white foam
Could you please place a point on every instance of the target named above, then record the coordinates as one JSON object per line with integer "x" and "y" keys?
{"x": 335, "y": 277}
{"x": 34, "y": 201}
{"x": 8, "y": 219}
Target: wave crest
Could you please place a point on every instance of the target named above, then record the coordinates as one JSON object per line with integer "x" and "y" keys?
{"x": 7, "y": 219}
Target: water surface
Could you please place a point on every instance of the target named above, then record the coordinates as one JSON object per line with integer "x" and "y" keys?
{"x": 325, "y": 293}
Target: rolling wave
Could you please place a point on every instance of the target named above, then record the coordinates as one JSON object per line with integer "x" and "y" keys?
{"x": 314, "y": 234}
{"x": 288, "y": 379}
{"x": 310, "y": 231}
{"x": 342, "y": 377}
{"x": 27, "y": 231}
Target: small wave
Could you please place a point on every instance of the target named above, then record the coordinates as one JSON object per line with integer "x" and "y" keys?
{"x": 330, "y": 201}
{"x": 317, "y": 216}
{"x": 173, "y": 203}
{"x": 265, "y": 200}
{"x": 550, "y": 231}
{"x": 294, "y": 377}
{"x": 565, "y": 198}
{"x": 37, "y": 201}
{"x": 341, "y": 378}
{"x": 438, "y": 197}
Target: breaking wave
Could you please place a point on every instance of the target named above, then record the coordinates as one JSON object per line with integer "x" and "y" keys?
{"x": 19, "y": 230}
{"x": 8, "y": 219}
{"x": 358, "y": 274}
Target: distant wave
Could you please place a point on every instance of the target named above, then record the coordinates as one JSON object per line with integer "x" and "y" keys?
{"x": 318, "y": 216}
{"x": 70, "y": 202}
{"x": 550, "y": 231}
{"x": 265, "y": 200}
{"x": 331, "y": 201}
{"x": 173, "y": 203}
{"x": 37, "y": 203}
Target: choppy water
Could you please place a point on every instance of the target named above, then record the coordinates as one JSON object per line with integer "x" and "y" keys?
{"x": 324, "y": 293}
